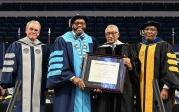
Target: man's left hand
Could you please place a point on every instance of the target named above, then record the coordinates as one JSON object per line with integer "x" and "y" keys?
{"x": 164, "y": 94}
{"x": 127, "y": 62}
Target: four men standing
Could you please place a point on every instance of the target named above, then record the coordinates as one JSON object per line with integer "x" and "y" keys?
{"x": 151, "y": 59}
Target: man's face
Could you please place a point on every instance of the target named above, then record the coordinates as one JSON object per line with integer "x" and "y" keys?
{"x": 32, "y": 31}
{"x": 150, "y": 32}
{"x": 79, "y": 26}
{"x": 111, "y": 35}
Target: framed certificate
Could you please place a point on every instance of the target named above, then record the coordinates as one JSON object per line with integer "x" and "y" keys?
{"x": 104, "y": 72}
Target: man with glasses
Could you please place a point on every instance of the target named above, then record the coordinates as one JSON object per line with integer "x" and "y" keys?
{"x": 25, "y": 61}
{"x": 114, "y": 102}
{"x": 65, "y": 66}
{"x": 156, "y": 60}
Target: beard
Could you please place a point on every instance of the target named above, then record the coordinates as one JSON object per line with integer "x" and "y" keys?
{"x": 78, "y": 31}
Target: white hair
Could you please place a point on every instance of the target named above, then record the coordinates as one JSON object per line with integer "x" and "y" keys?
{"x": 32, "y": 21}
{"x": 112, "y": 26}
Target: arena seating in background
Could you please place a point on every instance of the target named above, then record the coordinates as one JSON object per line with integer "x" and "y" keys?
{"x": 128, "y": 26}
{"x": 89, "y": 6}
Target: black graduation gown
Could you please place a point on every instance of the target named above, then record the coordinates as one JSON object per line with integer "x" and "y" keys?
{"x": 114, "y": 102}
{"x": 155, "y": 61}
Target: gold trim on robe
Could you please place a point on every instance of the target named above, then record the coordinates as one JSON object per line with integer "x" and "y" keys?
{"x": 146, "y": 57}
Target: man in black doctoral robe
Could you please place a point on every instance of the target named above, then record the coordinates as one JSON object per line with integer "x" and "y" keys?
{"x": 156, "y": 60}
{"x": 108, "y": 101}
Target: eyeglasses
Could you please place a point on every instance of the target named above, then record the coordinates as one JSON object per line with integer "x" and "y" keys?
{"x": 33, "y": 29}
{"x": 111, "y": 33}
{"x": 151, "y": 29}
{"x": 77, "y": 23}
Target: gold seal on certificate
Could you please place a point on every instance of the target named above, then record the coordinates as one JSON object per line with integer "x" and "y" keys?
{"x": 104, "y": 72}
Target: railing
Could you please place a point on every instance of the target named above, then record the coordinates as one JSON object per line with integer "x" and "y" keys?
{"x": 14, "y": 96}
{"x": 157, "y": 97}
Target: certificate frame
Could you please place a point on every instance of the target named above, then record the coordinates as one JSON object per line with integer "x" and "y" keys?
{"x": 88, "y": 67}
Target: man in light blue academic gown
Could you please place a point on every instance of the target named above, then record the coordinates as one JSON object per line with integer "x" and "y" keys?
{"x": 64, "y": 72}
